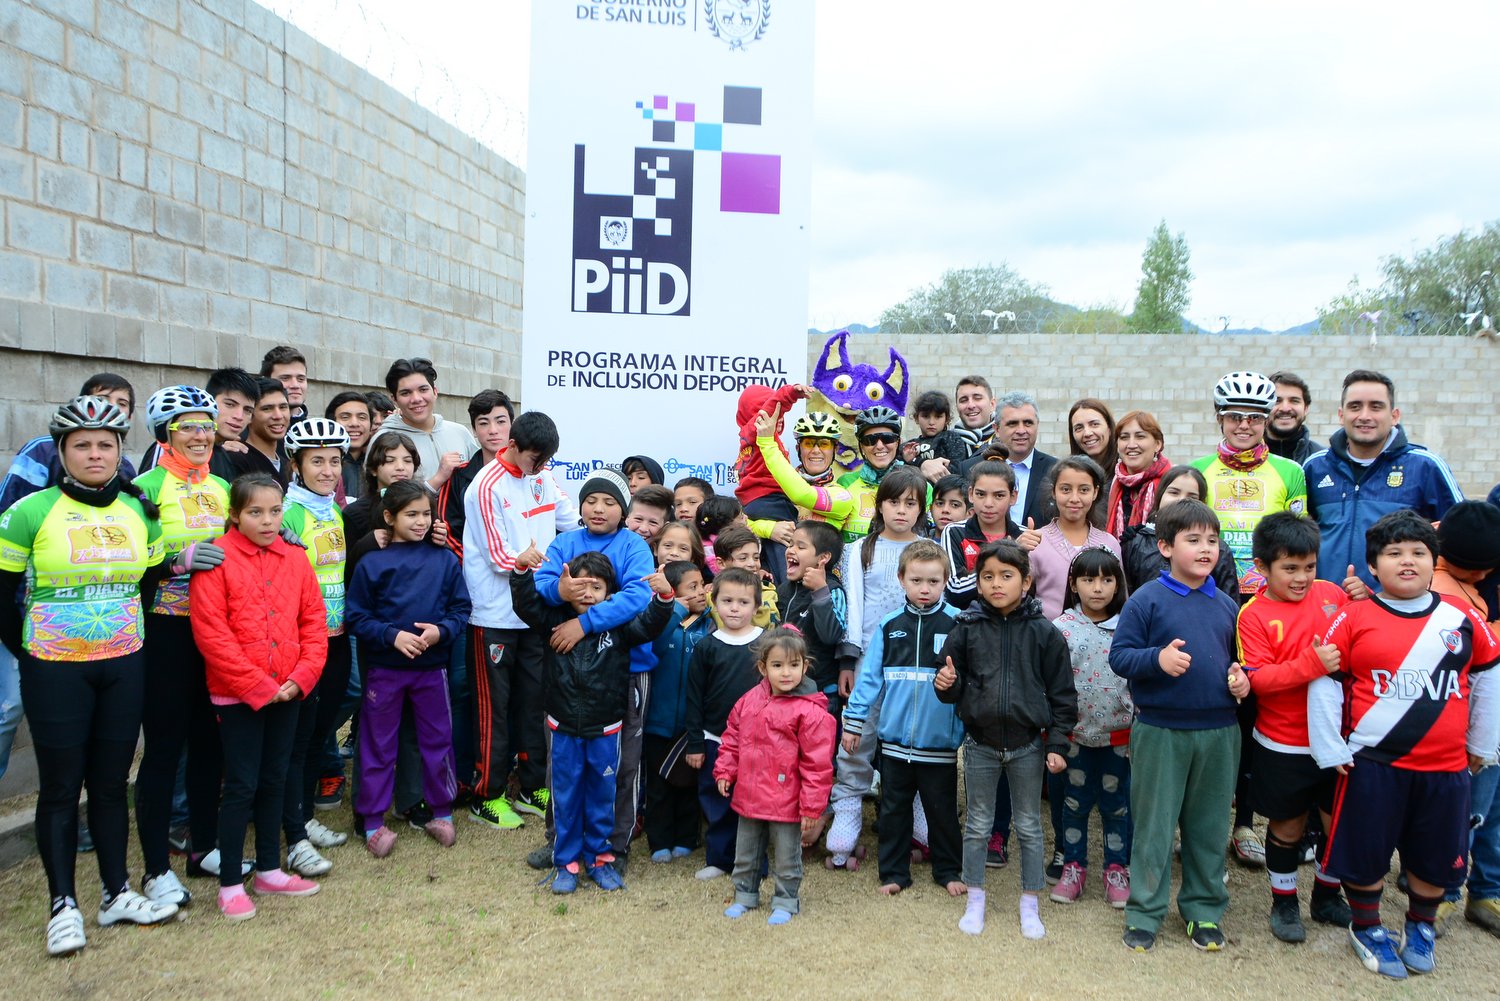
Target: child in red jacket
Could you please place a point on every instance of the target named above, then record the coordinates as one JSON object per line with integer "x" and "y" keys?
{"x": 782, "y": 734}
{"x": 259, "y": 620}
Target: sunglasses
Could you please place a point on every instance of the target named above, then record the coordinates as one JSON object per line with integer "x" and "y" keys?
{"x": 194, "y": 427}
{"x": 1238, "y": 417}
{"x": 883, "y": 438}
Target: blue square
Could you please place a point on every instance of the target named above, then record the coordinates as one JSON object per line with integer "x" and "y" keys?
{"x": 708, "y": 135}
{"x": 647, "y": 114}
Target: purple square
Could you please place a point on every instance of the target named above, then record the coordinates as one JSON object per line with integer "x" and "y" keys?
{"x": 750, "y": 182}
{"x": 659, "y": 102}
{"x": 686, "y": 112}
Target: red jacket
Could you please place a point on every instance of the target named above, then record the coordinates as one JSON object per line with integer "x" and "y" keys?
{"x": 754, "y": 480}
{"x": 259, "y": 621}
{"x": 778, "y": 752}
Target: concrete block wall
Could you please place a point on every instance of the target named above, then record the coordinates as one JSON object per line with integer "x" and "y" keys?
{"x": 184, "y": 185}
{"x": 1444, "y": 385}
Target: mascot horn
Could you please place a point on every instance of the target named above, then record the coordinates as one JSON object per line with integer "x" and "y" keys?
{"x": 845, "y": 388}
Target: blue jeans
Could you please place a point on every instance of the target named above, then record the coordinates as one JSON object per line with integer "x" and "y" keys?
{"x": 1484, "y": 839}
{"x": 1095, "y": 776}
{"x": 10, "y": 705}
{"x": 982, "y": 768}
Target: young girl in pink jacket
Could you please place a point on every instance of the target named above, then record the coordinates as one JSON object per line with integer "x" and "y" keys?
{"x": 777, "y": 754}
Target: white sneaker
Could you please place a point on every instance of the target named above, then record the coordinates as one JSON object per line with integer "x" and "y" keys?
{"x": 304, "y": 860}
{"x": 166, "y": 889}
{"x": 210, "y": 864}
{"x": 709, "y": 872}
{"x": 323, "y": 836}
{"x": 65, "y": 932}
{"x": 136, "y": 909}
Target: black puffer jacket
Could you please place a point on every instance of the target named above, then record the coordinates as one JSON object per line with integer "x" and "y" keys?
{"x": 1015, "y": 678}
{"x": 586, "y": 689}
{"x": 1144, "y": 561}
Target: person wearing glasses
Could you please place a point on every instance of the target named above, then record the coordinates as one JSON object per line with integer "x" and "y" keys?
{"x": 878, "y": 431}
{"x": 1247, "y": 483}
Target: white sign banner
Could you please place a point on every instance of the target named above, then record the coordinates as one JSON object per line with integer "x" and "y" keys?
{"x": 668, "y": 193}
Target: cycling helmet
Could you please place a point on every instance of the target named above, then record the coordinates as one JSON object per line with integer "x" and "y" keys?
{"x": 87, "y": 413}
{"x": 1245, "y": 389}
{"x": 876, "y": 417}
{"x": 174, "y": 400}
{"x": 817, "y": 425}
{"x": 316, "y": 432}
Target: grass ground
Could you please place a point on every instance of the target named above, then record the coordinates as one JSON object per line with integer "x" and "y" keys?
{"x": 429, "y": 923}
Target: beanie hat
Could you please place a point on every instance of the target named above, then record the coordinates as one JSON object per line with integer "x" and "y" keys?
{"x": 1469, "y": 535}
{"x": 606, "y": 481}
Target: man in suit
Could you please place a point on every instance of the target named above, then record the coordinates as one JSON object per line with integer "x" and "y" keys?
{"x": 1016, "y": 423}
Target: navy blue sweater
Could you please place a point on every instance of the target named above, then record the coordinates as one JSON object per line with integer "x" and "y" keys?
{"x": 395, "y": 588}
{"x": 1152, "y": 618}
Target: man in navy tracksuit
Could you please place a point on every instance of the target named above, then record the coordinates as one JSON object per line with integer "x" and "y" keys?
{"x": 1367, "y": 471}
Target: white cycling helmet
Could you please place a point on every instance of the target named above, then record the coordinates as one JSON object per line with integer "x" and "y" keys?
{"x": 1249, "y": 390}
{"x": 174, "y": 400}
{"x": 316, "y": 432}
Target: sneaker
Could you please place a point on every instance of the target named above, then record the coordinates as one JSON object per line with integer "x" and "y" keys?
{"x": 1311, "y": 842}
{"x": 681, "y": 851}
{"x": 709, "y": 872}
{"x": 463, "y": 795}
{"x": 208, "y": 865}
{"x": 289, "y": 886}
{"x": 621, "y": 863}
{"x": 330, "y": 793}
{"x": 995, "y": 855}
{"x": 661, "y": 855}
{"x": 418, "y": 816}
{"x": 1070, "y": 886}
{"x": 1117, "y": 886}
{"x": 238, "y": 907}
{"x": 1329, "y": 908}
{"x": 1205, "y": 935}
{"x": 134, "y": 908}
{"x": 323, "y": 836}
{"x": 564, "y": 881}
{"x": 1248, "y": 848}
{"x": 166, "y": 889}
{"x": 1286, "y": 920}
{"x": 1484, "y": 912}
{"x": 605, "y": 877}
{"x": 497, "y": 813}
{"x": 441, "y": 831}
{"x": 380, "y": 841}
{"x": 303, "y": 859}
{"x": 540, "y": 858}
{"x": 179, "y": 841}
{"x": 65, "y": 932}
{"x": 1139, "y": 939}
{"x": 1375, "y": 949}
{"x": 1417, "y": 947}
{"x": 1446, "y": 912}
{"x": 1055, "y": 868}
{"x": 534, "y": 802}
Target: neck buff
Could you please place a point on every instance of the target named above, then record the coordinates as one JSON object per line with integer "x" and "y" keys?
{"x": 1243, "y": 462}
{"x": 92, "y": 496}
{"x": 321, "y": 506}
{"x": 177, "y": 464}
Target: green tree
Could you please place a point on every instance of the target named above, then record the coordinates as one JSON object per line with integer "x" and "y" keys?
{"x": 1162, "y": 296}
{"x": 956, "y": 301}
{"x": 1431, "y": 292}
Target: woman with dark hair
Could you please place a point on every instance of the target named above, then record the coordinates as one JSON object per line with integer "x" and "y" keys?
{"x": 1137, "y": 474}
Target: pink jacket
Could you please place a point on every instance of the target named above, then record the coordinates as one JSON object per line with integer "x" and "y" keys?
{"x": 778, "y": 752}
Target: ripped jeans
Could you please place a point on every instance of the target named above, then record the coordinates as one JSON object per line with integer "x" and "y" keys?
{"x": 1096, "y": 776}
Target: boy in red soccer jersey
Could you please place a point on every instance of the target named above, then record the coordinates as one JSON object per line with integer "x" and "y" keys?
{"x": 1416, "y": 713}
{"x": 1280, "y": 633}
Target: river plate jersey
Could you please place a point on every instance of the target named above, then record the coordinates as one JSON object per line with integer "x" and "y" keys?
{"x": 326, "y": 552}
{"x": 1242, "y": 498}
{"x": 83, "y": 569}
{"x": 189, "y": 513}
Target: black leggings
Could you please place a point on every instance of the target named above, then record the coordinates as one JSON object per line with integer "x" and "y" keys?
{"x": 257, "y": 743}
{"x": 84, "y": 718}
{"x": 319, "y": 718}
{"x": 176, "y": 712}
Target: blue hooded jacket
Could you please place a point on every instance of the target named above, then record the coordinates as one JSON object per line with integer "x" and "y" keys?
{"x": 633, "y": 563}
{"x": 666, "y": 712}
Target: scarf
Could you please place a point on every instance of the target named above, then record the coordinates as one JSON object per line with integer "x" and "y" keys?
{"x": 820, "y": 480}
{"x": 1243, "y": 462}
{"x": 177, "y": 464}
{"x": 1137, "y": 491}
{"x": 873, "y": 476}
{"x": 976, "y": 438}
{"x": 320, "y": 506}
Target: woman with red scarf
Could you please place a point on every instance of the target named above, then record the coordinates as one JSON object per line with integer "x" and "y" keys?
{"x": 1132, "y": 492}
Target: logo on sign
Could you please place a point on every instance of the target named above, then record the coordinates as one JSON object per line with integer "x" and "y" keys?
{"x": 633, "y": 253}
{"x": 737, "y": 23}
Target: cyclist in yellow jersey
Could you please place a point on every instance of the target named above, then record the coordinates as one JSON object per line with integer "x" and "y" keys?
{"x": 177, "y": 713}
{"x": 810, "y": 486}
{"x": 316, "y": 447}
{"x": 1246, "y": 483}
{"x": 878, "y": 431}
{"x": 89, "y": 553}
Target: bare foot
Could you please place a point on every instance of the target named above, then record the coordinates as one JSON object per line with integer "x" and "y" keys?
{"x": 957, "y": 889}
{"x": 811, "y": 837}
{"x": 890, "y": 889}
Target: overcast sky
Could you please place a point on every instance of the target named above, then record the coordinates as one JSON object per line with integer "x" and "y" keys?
{"x": 1294, "y": 144}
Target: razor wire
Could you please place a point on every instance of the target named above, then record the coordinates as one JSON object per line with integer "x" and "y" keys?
{"x": 1064, "y": 321}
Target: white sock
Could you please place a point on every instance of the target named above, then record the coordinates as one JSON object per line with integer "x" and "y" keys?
{"x": 1031, "y": 921}
{"x": 972, "y": 923}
